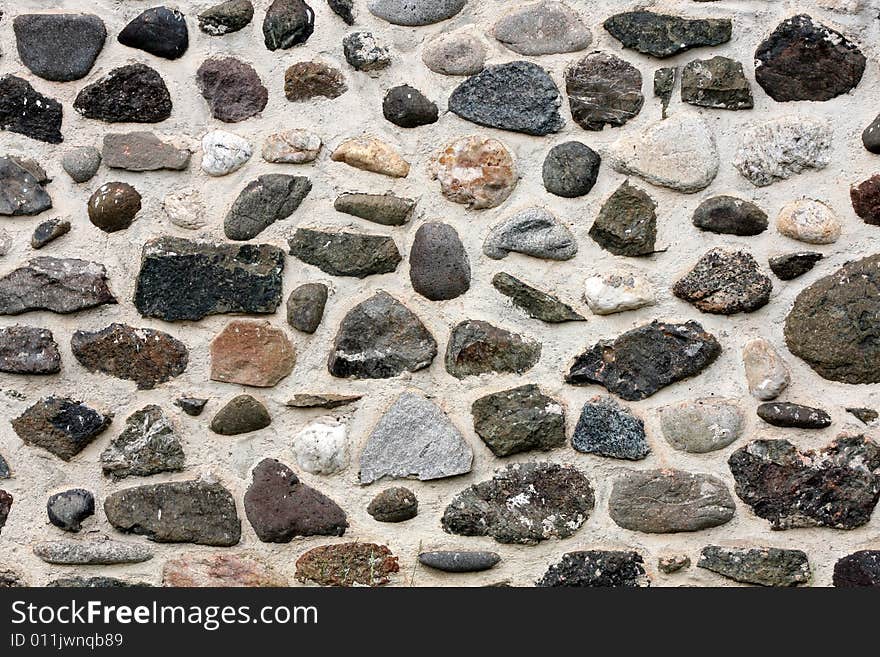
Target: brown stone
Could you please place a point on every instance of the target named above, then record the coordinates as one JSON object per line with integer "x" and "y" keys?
{"x": 866, "y": 200}
{"x": 220, "y": 570}
{"x": 5, "y": 506}
{"x": 347, "y": 564}
{"x": 251, "y": 353}
{"x": 114, "y": 206}
{"x": 308, "y": 80}
{"x": 476, "y": 171}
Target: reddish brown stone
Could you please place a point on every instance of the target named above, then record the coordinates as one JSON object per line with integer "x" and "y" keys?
{"x": 252, "y": 354}
{"x": 5, "y": 506}
{"x": 347, "y": 564}
{"x": 307, "y": 80}
{"x": 866, "y": 200}
{"x": 220, "y": 570}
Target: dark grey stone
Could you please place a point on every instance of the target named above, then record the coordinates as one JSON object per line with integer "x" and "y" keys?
{"x": 345, "y": 254}
{"x": 871, "y": 136}
{"x": 28, "y": 350}
{"x": 59, "y": 47}
{"x": 477, "y": 347}
{"x": 28, "y": 112}
{"x": 415, "y": 13}
{"x": 270, "y": 198}
{"x": 384, "y": 209}
{"x": 728, "y": 215}
{"x": 394, "y": 505}
{"x": 864, "y": 415}
{"x": 81, "y": 164}
{"x": 439, "y": 268}
{"x": 148, "y": 445}
{"x": 787, "y": 414}
{"x": 67, "y": 510}
{"x": 407, "y": 107}
{"x": 5, "y": 470}
{"x": 48, "y": 231}
{"x": 762, "y": 566}
{"x": 159, "y": 31}
{"x": 519, "y": 420}
{"x": 226, "y": 17}
{"x": 603, "y": 90}
{"x": 789, "y": 266}
{"x": 725, "y": 283}
{"x": 664, "y": 83}
{"x": 21, "y": 194}
{"x": 605, "y": 428}
{"x": 305, "y": 306}
{"x": 192, "y": 406}
{"x": 61, "y": 285}
{"x": 288, "y": 23}
{"x": 627, "y": 223}
{"x": 570, "y": 170}
{"x": 321, "y": 400}
{"x": 134, "y": 93}
{"x": 344, "y": 9}
{"x": 536, "y": 304}
{"x": 459, "y": 561}
{"x": 661, "y": 35}
{"x": 718, "y": 82}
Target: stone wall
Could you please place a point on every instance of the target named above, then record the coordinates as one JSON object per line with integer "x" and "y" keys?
{"x": 605, "y": 459}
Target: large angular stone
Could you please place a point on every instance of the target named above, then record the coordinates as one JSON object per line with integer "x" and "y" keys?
{"x": 143, "y": 151}
{"x": 345, "y": 254}
{"x": 148, "y": 445}
{"x": 21, "y": 194}
{"x": 725, "y": 283}
{"x": 535, "y": 232}
{"x": 779, "y": 148}
{"x": 134, "y": 93}
{"x": 159, "y": 31}
{"x": 60, "y": 425}
{"x": 523, "y": 503}
{"x": 643, "y": 360}
{"x": 380, "y": 338}
{"x": 762, "y": 566}
{"x": 662, "y": 35}
{"x": 232, "y": 89}
{"x": 475, "y": 171}
{"x": 606, "y": 428}
{"x": 252, "y": 353}
{"x": 627, "y": 223}
{"x": 222, "y": 570}
{"x": 597, "y": 569}
{"x": 603, "y": 90}
{"x": 143, "y": 355}
{"x": 414, "y": 438}
{"x": 414, "y": 13}
{"x": 476, "y": 347}
{"x": 59, "y": 47}
{"x": 542, "y": 28}
{"x": 184, "y": 280}
{"x": 28, "y": 112}
{"x": 28, "y": 350}
{"x": 519, "y": 420}
{"x": 176, "y": 512}
{"x": 347, "y": 564}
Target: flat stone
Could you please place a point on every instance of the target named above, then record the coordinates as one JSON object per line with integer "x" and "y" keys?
{"x": 232, "y": 89}
{"x": 570, "y": 170}
{"x": 858, "y": 569}
{"x": 646, "y": 359}
{"x": 305, "y": 306}
{"x": 370, "y": 154}
{"x": 384, "y": 209}
{"x": 450, "y": 561}
{"x": 184, "y": 280}
{"x": 455, "y": 52}
{"x": 606, "y": 428}
{"x": 192, "y": 406}
{"x": 148, "y": 445}
{"x": 810, "y": 221}
{"x": 288, "y": 23}
{"x": 61, "y": 285}
{"x": 597, "y": 569}
{"x": 407, "y": 107}
{"x": 251, "y": 353}
{"x": 114, "y": 206}
{"x": 224, "y": 152}
{"x": 49, "y": 231}
{"x": 787, "y": 414}
{"x": 725, "y": 283}
{"x": 322, "y": 447}
{"x": 344, "y": 9}
{"x": 364, "y": 52}
{"x": 92, "y": 553}
{"x": 176, "y": 512}
{"x": 662, "y": 35}
{"x": 805, "y": 60}
{"x": 871, "y": 136}
{"x": 134, "y": 93}
{"x": 535, "y": 232}
{"x": 414, "y": 439}
{"x": 864, "y": 415}
{"x": 185, "y": 209}
{"x": 414, "y": 13}
{"x": 292, "y": 147}
{"x": 779, "y": 148}
{"x": 827, "y": 324}
{"x": 674, "y": 563}
{"x": 222, "y": 570}
{"x": 865, "y": 197}
{"x": 476, "y": 347}
{"x": 28, "y": 350}
{"x": 60, "y": 425}
{"x": 271, "y": 197}
{"x": 143, "y": 355}
{"x": 81, "y": 164}
{"x": 627, "y": 223}
{"x": 718, "y": 83}
{"x": 59, "y": 47}
{"x": 664, "y": 83}
{"x": 843, "y": 482}
{"x": 542, "y": 28}
{"x": 309, "y": 80}
{"x": 27, "y": 112}
{"x": 21, "y": 194}
{"x": 394, "y": 505}
{"x": 356, "y": 255}
{"x": 669, "y": 501}
{"x": 475, "y": 171}
{"x": 519, "y": 420}
{"x": 322, "y": 400}
{"x": 280, "y": 507}
{"x": 347, "y": 564}
{"x": 518, "y": 96}
{"x": 5, "y": 506}
{"x": 242, "y": 414}
{"x": 703, "y": 425}
{"x": 226, "y": 17}
{"x": 380, "y": 338}
{"x": 535, "y": 303}
{"x": 523, "y": 503}
{"x": 159, "y": 31}
{"x": 678, "y": 152}
{"x": 728, "y": 215}
{"x": 439, "y": 266}
{"x": 762, "y": 566}
{"x": 68, "y": 509}
{"x": 617, "y": 291}
{"x": 603, "y": 90}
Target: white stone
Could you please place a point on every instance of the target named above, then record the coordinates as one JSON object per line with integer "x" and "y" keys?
{"x": 322, "y": 447}
{"x": 809, "y": 221}
{"x": 224, "y": 152}
{"x": 678, "y": 153}
{"x": 292, "y": 147}
{"x": 843, "y": 6}
{"x": 184, "y": 209}
{"x": 781, "y": 148}
{"x": 617, "y": 291}
{"x": 766, "y": 372}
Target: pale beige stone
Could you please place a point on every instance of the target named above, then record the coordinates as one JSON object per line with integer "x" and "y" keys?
{"x": 220, "y": 570}
{"x": 617, "y": 291}
{"x": 251, "y": 353}
{"x": 475, "y": 171}
{"x": 809, "y": 221}
{"x": 766, "y": 372}
{"x": 372, "y": 155}
{"x": 292, "y": 147}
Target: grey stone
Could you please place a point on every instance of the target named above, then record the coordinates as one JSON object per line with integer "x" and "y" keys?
{"x": 288, "y": 23}
{"x": 702, "y": 425}
{"x": 543, "y": 28}
{"x": 458, "y": 52}
{"x": 148, "y": 445}
{"x": 439, "y": 266}
{"x": 365, "y": 53}
{"x": 477, "y": 348}
{"x": 789, "y": 266}
{"x": 271, "y": 197}
{"x": 134, "y": 93}
{"x": 241, "y": 414}
{"x": 81, "y": 164}
{"x": 603, "y": 90}
{"x": 787, "y": 414}
{"x": 49, "y": 231}
{"x": 668, "y": 501}
{"x": 345, "y": 254}
{"x": 68, "y": 509}
{"x": 523, "y": 503}
{"x": 605, "y": 428}
{"x": 725, "y": 283}
{"x": 779, "y": 148}
{"x": 762, "y": 566}
{"x": 28, "y": 350}
{"x": 92, "y": 553}
{"x": 454, "y": 561}
{"x": 27, "y": 112}
{"x": 59, "y": 47}
{"x": 728, "y": 215}
{"x": 597, "y": 569}
{"x": 534, "y": 232}
{"x": 192, "y": 406}
{"x": 407, "y": 107}
{"x": 627, "y": 223}
{"x": 159, "y": 31}
{"x": 305, "y": 306}
{"x": 662, "y": 35}
{"x": 536, "y": 304}
{"x": 344, "y": 9}
{"x": 143, "y": 151}
{"x": 718, "y": 82}
{"x": 226, "y": 17}
{"x": 61, "y": 285}
{"x": 415, "y": 13}
{"x": 321, "y": 400}
{"x": 384, "y": 209}
{"x": 664, "y": 83}
{"x": 519, "y": 420}
{"x": 98, "y": 582}
{"x": 570, "y": 170}
{"x": 394, "y": 505}
{"x": 5, "y": 470}
{"x": 60, "y": 425}
{"x": 21, "y": 194}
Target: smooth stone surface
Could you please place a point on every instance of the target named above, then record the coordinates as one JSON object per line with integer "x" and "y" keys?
{"x": 114, "y": 206}
{"x": 761, "y": 566}
{"x": 365, "y": 53}
{"x": 371, "y": 154}
{"x": 439, "y": 266}
{"x": 451, "y": 561}
{"x": 380, "y": 338}
{"x": 475, "y": 171}
{"x": 603, "y": 90}
{"x": 82, "y": 163}
{"x": 347, "y": 564}
{"x": 292, "y": 147}
{"x": 414, "y": 439}
{"x": 766, "y": 372}
{"x": 662, "y": 35}
{"x": 226, "y": 17}
{"x": 159, "y": 31}
{"x": 703, "y": 425}
{"x": 536, "y": 304}
{"x": 271, "y": 197}
{"x": 646, "y": 359}
{"x": 809, "y": 221}
{"x": 92, "y": 553}
{"x": 27, "y": 112}
{"x": 542, "y": 28}
{"x": 779, "y": 148}
{"x": 476, "y": 348}
{"x": 232, "y": 89}
{"x": 61, "y": 285}
{"x": 148, "y": 445}
{"x": 617, "y": 291}
{"x": 597, "y": 569}
{"x": 605, "y": 428}
{"x": 305, "y": 306}
{"x": 871, "y": 136}
{"x": 728, "y": 215}
{"x": 394, "y": 505}
{"x": 415, "y": 13}
{"x": 60, "y": 425}
{"x": 535, "y": 232}
{"x": 357, "y": 255}
{"x": 251, "y": 353}
{"x": 49, "y": 231}
{"x": 134, "y": 93}
{"x": 725, "y": 283}
{"x": 21, "y": 193}
{"x": 627, "y": 223}
{"x": 523, "y": 503}
{"x": 67, "y": 510}
{"x": 321, "y": 447}
{"x": 519, "y": 420}
{"x": 59, "y": 47}
{"x": 455, "y": 52}
{"x": 28, "y": 350}
{"x": 383, "y": 209}
{"x": 407, "y": 107}
{"x": 718, "y": 83}
{"x": 287, "y": 23}
{"x": 858, "y": 569}
{"x": 224, "y": 152}
{"x": 787, "y": 414}
{"x": 570, "y": 170}
{"x": 242, "y": 414}
{"x": 221, "y": 570}
{"x": 310, "y": 80}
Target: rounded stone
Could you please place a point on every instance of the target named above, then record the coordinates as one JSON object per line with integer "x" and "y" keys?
{"x": 460, "y": 52}
{"x": 226, "y": 17}
{"x": 292, "y": 147}
{"x": 570, "y": 170}
{"x": 59, "y": 47}
{"x": 305, "y": 306}
{"x": 308, "y": 80}
{"x": 724, "y": 283}
{"x": 543, "y": 28}
{"x": 322, "y": 447}
{"x": 81, "y": 164}
{"x": 242, "y": 414}
{"x": 871, "y": 137}
{"x": 232, "y": 89}
{"x": 414, "y": 13}
{"x": 159, "y": 31}
{"x": 702, "y": 425}
{"x": 865, "y": 198}
{"x": 288, "y": 23}
{"x": 224, "y": 152}
{"x": 617, "y": 291}
{"x": 407, "y": 107}
{"x": 439, "y": 265}
{"x": 113, "y": 206}
{"x": 809, "y": 221}
{"x": 603, "y": 90}
{"x": 476, "y": 171}
{"x": 394, "y": 505}
{"x": 67, "y": 510}
{"x": 727, "y": 215}
{"x": 766, "y": 372}
{"x": 185, "y": 209}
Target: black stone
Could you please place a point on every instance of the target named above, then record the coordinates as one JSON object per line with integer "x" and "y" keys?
{"x": 786, "y": 414}
{"x": 407, "y": 107}
{"x": 871, "y": 137}
{"x": 98, "y": 582}
{"x": 305, "y": 306}
{"x": 789, "y": 266}
{"x": 60, "y": 425}
{"x": 67, "y": 510}
{"x": 570, "y": 170}
{"x": 858, "y": 569}
{"x": 345, "y": 254}
{"x": 134, "y": 93}
{"x": 49, "y": 231}
{"x": 226, "y": 17}
{"x": 661, "y": 35}
{"x": 159, "y": 31}
{"x": 59, "y": 47}
{"x": 536, "y": 304}
{"x": 5, "y": 470}
{"x": 605, "y": 428}
{"x": 597, "y": 568}
{"x": 344, "y": 9}
{"x": 727, "y": 215}
{"x": 288, "y": 23}
{"x": 439, "y": 266}
{"x": 459, "y": 562}
{"x": 627, "y": 223}
{"x": 191, "y": 405}
{"x": 27, "y": 112}
{"x": 270, "y": 198}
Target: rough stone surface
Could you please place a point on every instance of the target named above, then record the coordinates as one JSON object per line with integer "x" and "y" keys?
{"x": 148, "y": 445}
{"x": 787, "y": 414}
{"x": 61, "y": 285}
{"x": 394, "y": 505}
{"x": 252, "y": 354}
{"x": 49, "y": 231}
{"x": 439, "y": 267}
{"x": 192, "y": 406}
{"x": 60, "y": 425}
{"x": 871, "y": 136}
{"x": 68, "y": 509}
{"x": 365, "y": 53}
{"x": 728, "y": 215}
{"x": 536, "y": 304}
{"x": 718, "y": 83}
{"x": 476, "y": 347}
{"x": 309, "y": 80}
{"x": 383, "y": 209}
{"x": 519, "y": 420}
{"x": 305, "y": 306}
{"x": 21, "y": 194}
{"x": 371, "y": 154}
{"x": 27, "y": 112}
{"x": 347, "y": 564}
{"x": 270, "y": 198}
{"x": 159, "y": 31}
{"x": 134, "y": 93}
{"x": 603, "y": 90}
{"x": 674, "y": 563}
{"x": 5, "y": 506}
{"x": 662, "y": 35}
{"x": 605, "y": 428}
{"x": 779, "y": 148}
{"x": 92, "y": 553}
{"x": 28, "y": 350}
{"x": 287, "y": 23}
{"x": 345, "y": 254}
{"x": 5, "y": 470}
{"x": 864, "y": 415}
{"x": 702, "y": 425}
{"x": 226, "y": 17}
{"x": 865, "y": 197}
{"x": 292, "y": 147}
{"x": 322, "y": 447}
{"x": 241, "y": 414}
{"x": 322, "y": 400}
{"x": 570, "y": 170}
{"x": 344, "y": 9}
{"x": 232, "y": 89}
{"x": 81, "y": 164}
{"x": 451, "y": 561}
{"x": 475, "y": 171}
{"x": 59, "y": 47}
{"x": 627, "y": 223}
{"x": 597, "y": 569}
{"x": 617, "y": 291}
{"x": 535, "y": 232}
{"x": 725, "y": 283}
{"x": 222, "y": 570}
{"x": 861, "y": 568}
{"x": 542, "y": 28}
{"x": 762, "y": 566}
{"x": 224, "y": 153}
{"x": 415, "y": 12}
{"x": 185, "y": 209}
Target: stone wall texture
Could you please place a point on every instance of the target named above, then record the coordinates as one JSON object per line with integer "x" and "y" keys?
{"x": 439, "y": 293}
